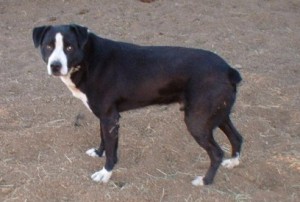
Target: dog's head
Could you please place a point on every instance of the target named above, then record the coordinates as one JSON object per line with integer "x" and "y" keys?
{"x": 62, "y": 47}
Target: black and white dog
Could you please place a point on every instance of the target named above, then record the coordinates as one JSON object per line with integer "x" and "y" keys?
{"x": 111, "y": 77}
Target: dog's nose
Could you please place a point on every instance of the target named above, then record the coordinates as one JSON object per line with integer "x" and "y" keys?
{"x": 55, "y": 67}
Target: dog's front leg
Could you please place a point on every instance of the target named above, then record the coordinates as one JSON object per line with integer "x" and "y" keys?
{"x": 100, "y": 152}
{"x": 109, "y": 129}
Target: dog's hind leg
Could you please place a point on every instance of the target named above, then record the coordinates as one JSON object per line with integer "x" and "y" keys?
{"x": 202, "y": 133}
{"x": 235, "y": 140}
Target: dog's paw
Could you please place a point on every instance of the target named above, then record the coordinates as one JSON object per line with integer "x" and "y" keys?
{"x": 102, "y": 176}
{"x": 198, "y": 181}
{"x": 231, "y": 163}
{"x": 93, "y": 153}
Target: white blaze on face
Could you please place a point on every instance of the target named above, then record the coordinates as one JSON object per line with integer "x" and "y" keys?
{"x": 58, "y": 55}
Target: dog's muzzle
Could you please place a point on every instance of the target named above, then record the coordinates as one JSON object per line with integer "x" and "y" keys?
{"x": 56, "y": 68}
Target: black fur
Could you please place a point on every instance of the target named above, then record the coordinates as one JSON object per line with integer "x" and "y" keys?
{"x": 38, "y": 35}
{"x": 118, "y": 76}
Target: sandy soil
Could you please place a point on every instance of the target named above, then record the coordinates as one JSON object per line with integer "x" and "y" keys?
{"x": 44, "y": 131}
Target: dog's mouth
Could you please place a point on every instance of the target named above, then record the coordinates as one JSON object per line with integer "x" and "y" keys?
{"x": 56, "y": 74}
{"x": 59, "y": 73}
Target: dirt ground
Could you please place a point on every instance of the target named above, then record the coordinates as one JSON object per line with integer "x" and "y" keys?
{"x": 44, "y": 131}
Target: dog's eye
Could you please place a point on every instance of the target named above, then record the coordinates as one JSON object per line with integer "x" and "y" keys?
{"x": 69, "y": 48}
{"x": 49, "y": 47}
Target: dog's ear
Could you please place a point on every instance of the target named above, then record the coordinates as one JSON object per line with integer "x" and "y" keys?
{"x": 38, "y": 34}
{"x": 81, "y": 34}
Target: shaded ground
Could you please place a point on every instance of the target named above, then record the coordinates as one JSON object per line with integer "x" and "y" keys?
{"x": 42, "y": 151}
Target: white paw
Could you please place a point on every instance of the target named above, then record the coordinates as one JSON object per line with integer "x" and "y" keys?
{"x": 102, "y": 176}
{"x": 92, "y": 152}
{"x": 198, "y": 181}
{"x": 231, "y": 163}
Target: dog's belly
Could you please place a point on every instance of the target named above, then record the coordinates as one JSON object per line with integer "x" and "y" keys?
{"x": 125, "y": 104}
{"x": 163, "y": 91}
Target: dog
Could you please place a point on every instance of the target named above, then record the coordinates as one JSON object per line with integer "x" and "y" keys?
{"x": 111, "y": 77}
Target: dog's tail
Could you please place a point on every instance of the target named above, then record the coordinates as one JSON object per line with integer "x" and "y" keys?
{"x": 234, "y": 77}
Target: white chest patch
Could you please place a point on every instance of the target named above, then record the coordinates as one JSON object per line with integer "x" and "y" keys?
{"x": 75, "y": 91}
